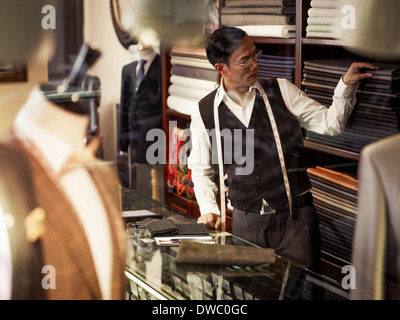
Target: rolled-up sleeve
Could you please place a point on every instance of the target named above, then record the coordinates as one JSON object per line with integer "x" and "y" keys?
{"x": 314, "y": 116}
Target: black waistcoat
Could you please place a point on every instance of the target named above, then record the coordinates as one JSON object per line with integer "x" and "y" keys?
{"x": 266, "y": 180}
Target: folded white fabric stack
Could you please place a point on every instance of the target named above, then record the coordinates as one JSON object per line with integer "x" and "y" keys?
{"x": 322, "y": 19}
{"x": 265, "y": 18}
{"x": 192, "y": 78}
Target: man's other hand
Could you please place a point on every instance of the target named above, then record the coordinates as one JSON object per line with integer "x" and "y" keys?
{"x": 211, "y": 220}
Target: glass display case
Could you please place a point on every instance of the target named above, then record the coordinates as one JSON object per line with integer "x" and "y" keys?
{"x": 154, "y": 273}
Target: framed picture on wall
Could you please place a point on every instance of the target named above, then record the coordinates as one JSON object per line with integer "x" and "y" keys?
{"x": 12, "y": 72}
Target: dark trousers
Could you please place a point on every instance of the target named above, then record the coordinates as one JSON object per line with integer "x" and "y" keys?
{"x": 295, "y": 237}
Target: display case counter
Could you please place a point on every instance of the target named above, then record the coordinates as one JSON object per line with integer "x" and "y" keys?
{"x": 154, "y": 273}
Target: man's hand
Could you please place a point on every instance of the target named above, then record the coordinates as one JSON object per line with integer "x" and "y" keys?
{"x": 356, "y": 74}
{"x": 211, "y": 220}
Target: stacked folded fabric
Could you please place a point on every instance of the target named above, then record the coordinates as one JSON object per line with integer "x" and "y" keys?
{"x": 270, "y": 66}
{"x": 376, "y": 112}
{"x": 322, "y": 19}
{"x": 192, "y": 78}
{"x": 335, "y": 198}
{"x": 266, "y": 18}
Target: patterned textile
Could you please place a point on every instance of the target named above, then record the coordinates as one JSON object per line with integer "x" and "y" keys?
{"x": 202, "y": 253}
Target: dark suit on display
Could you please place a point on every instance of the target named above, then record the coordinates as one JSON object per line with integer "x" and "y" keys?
{"x": 141, "y": 109}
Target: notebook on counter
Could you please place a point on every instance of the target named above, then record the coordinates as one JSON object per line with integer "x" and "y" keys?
{"x": 175, "y": 241}
{"x": 140, "y": 214}
{"x": 168, "y": 233}
{"x": 166, "y": 227}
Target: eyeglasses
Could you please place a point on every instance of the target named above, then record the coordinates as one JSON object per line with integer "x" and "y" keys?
{"x": 249, "y": 61}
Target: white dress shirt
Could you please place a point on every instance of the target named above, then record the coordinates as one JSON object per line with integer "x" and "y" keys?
{"x": 310, "y": 114}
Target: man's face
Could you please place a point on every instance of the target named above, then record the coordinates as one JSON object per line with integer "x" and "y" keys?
{"x": 238, "y": 75}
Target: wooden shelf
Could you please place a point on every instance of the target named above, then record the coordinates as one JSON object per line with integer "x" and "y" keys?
{"x": 177, "y": 114}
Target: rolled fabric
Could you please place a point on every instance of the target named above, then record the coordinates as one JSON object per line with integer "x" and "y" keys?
{"x": 194, "y": 62}
{"x": 315, "y": 34}
{"x": 182, "y": 105}
{"x": 187, "y": 92}
{"x": 278, "y": 31}
{"x": 259, "y": 10}
{"x": 194, "y": 72}
{"x": 259, "y": 3}
{"x": 194, "y": 83}
{"x": 321, "y": 20}
{"x": 320, "y": 28}
{"x": 213, "y": 254}
{"x": 194, "y": 52}
{"x": 256, "y": 19}
{"x": 330, "y": 4}
{"x": 323, "y": 12}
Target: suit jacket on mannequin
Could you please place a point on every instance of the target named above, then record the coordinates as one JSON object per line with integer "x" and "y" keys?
{"x": 17, "y": 203}
{"x": 141, "y": 110}
{"x": 376, "y": 247}
{"x": 67, "y": 243}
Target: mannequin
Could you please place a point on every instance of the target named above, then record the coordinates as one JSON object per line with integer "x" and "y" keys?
{"x": 141, "y": 111}
{"x": 84, "y": 231}
{"x": 74, "y": 197}
{"x": 21, "y": 218}
{"x": 376, "y": 256}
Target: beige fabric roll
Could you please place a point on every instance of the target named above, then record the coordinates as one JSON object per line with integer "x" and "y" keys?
{"x": 213, "y": 254}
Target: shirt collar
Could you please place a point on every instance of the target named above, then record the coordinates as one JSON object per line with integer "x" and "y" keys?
{"x": 54, "y": 149}
{"x": 221, "y": 92}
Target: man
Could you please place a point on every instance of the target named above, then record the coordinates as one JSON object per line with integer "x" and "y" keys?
{"x": 272, "y": 202}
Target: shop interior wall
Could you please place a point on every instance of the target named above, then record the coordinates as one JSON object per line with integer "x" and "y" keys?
{"x": 14, "y": 94}
{"x": 98, "y": 29}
